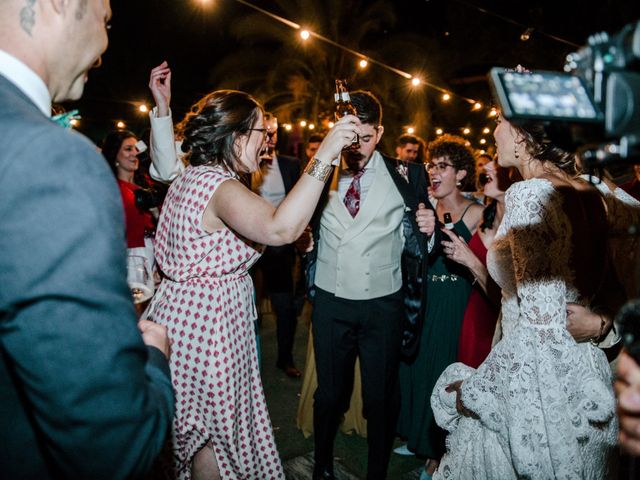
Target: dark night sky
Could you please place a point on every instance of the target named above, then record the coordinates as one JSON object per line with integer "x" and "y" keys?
{"x": 192, "y": 39}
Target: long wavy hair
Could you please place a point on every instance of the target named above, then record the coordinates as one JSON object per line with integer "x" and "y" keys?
{"x": 210, "y": 130}
{"x": 541, "y": 148}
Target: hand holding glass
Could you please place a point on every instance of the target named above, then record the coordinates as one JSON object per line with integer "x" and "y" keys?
{"x": 138, "y": 278}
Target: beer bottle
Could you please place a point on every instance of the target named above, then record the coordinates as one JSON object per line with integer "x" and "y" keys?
{"x": 345, "y": 107}
{"x": 448, "y": 222}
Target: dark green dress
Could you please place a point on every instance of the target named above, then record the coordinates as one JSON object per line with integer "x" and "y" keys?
{"x": 449, "y": 287}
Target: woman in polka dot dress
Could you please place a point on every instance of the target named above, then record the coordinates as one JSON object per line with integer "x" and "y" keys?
{"x": 205, "y": 247}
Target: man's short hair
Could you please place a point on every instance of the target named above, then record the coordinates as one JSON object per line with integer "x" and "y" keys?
{"x": 405, "y": 138}
{"x": 315, "y": 138}
{"x": 368, "y": 107}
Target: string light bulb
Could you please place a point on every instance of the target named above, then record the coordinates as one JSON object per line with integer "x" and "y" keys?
{"x": 466, "y": 131}
{"x": 439, "y": 131}
{"x": 120, "y": 124}
{"x": 446, "y": 97}
{"x": 410, "y": 130}
{"x": 303, "y": 123}
{"x": 143, "y": 108}
{"x": 74, "y": 122}
{"x": 482, "y": 141}
{"x": 493, "y": 112}
{"x": 363, "y": 63}
{"x": 526, "y": 35}
{"x": 486, "y": 130}
{"x": 304, "y": 34}
{"x": 331, "y": 124}
{"x": 415, "y": 81}
{"x": 477, "y": 106}
{"x": 312, "y": 126}
{"x": 287, "y": 127}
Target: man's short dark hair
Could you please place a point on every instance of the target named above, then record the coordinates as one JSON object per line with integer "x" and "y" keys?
{"x": 315, "y": 138}
{"x": 405, "y": 138}
{"x": 368, "y": 107}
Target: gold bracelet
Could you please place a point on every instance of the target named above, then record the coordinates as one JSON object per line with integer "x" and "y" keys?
{"x": 318, "y": 170}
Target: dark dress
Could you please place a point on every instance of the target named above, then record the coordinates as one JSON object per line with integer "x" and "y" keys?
{"x": 449, "y": 286}
{"x": 480, "y": 318}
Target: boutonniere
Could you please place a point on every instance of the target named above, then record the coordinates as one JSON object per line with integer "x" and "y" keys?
{"x": 65, "y": 119}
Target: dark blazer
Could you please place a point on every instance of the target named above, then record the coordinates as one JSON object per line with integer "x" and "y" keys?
{"x": 414, "y": 255}
{"x": 81, "y": 396}
{"x": 290, "y": 170}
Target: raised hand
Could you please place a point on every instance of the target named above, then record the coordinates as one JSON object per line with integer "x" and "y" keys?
{"x": 340, "y": 136}
{"x": 160, "y": 86}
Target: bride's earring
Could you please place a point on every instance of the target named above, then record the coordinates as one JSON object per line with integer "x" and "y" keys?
{"x": 515, "y": 151}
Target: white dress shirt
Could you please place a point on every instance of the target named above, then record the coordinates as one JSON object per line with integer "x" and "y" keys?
{"x": 366, "y": 180}
{"x": 26, "y": 80}
{"x": 271, "y": 187}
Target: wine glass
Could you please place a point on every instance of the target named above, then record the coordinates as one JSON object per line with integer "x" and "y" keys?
{"x": 140, "y": 283}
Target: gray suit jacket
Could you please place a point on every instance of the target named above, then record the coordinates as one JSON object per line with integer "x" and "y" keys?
{"x": 80, "y": 394}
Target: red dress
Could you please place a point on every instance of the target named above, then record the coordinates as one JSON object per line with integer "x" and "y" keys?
{"x": 137, "y": 221}
{"x": 479, "y": 320}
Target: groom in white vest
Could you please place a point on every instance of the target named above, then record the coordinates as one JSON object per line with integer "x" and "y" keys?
{"x": 366, "y": 273}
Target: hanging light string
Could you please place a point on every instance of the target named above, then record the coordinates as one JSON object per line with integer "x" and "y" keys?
{"x": 527, "y": 28}
{"x": 358, "y": 55}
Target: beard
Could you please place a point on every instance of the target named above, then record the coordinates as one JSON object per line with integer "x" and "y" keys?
{"x": 353, "y": 160}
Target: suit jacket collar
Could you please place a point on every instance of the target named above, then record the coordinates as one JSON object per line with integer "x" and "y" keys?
{"x": 26, "y": 80}
{"x": 377, "y": 195}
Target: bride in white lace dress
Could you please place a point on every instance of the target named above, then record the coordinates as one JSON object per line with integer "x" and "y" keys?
{"x": 541, "y": 406}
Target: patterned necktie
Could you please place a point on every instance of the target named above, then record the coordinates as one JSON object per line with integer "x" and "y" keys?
{"x": 352, "y": 198}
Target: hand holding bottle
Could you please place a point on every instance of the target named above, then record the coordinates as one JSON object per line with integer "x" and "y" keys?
{"x": 339, "y": 137}
{"x": 426, "y": 219}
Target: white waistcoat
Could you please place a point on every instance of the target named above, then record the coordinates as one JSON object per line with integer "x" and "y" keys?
{"x": 359, "y": 258}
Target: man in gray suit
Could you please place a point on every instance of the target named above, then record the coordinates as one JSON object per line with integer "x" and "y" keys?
{"x": 81, "y": 396}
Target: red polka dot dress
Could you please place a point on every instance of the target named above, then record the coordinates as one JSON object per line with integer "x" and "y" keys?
{"x": 207, "y": 304}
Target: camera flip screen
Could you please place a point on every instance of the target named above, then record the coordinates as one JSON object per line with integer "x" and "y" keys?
{"x": 543, "y": 96}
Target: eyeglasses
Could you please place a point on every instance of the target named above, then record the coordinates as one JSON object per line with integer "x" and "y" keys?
{"x": 263, "y": 130}
{"x": 440, "y": 167}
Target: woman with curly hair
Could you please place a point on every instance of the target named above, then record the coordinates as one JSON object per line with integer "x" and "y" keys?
{"x": 206, "y": 242}
{"x": 451, "y": 171}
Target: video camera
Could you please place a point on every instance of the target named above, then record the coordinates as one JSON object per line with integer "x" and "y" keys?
{"x": 593, "y": 108}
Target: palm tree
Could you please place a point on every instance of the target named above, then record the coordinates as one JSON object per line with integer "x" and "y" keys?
{"x": 295, "y": 79}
